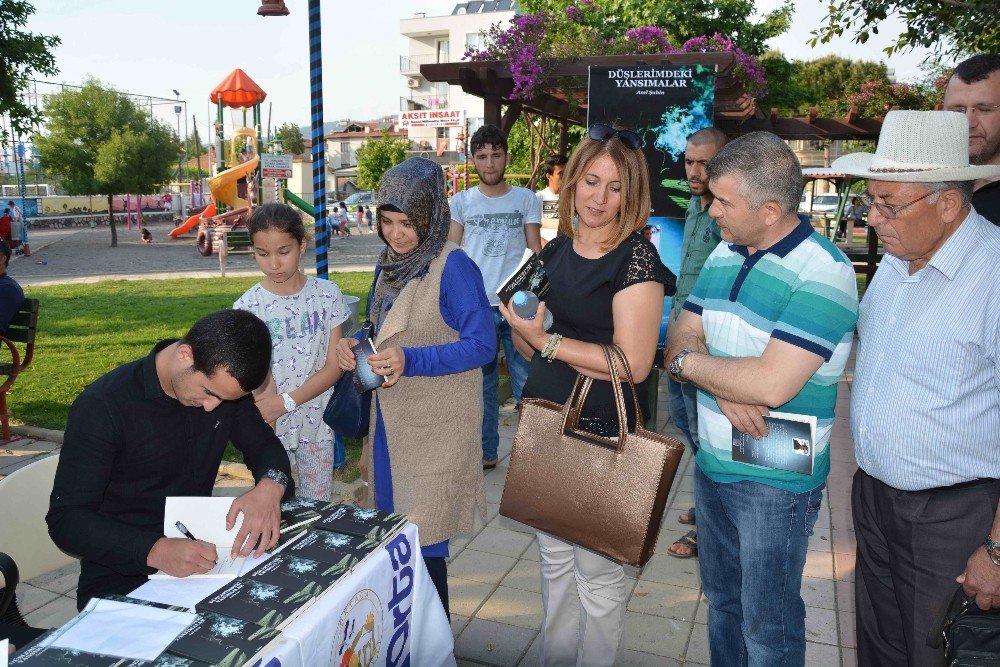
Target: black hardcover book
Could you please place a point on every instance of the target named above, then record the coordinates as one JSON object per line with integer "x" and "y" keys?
{"x": 333, "y": 548}
{"x": 360, "y": 521}
{"x": 299, "y": 511}
{"x": 290, "y": 571}
{"x": 171, "y": 660}
{"x": 222, "y": 641}
{"x": 144, "y": 603}
{"x": 529, "y": 276}
{"x": 254, "y": 601}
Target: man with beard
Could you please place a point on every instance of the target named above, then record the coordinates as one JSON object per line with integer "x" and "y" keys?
{"x": 974, "y": 91}
{"x": 494, "y": 222}
{"x": 701, "y": 235}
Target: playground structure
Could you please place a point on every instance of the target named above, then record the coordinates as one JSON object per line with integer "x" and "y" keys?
{"x": 236, "y": 186}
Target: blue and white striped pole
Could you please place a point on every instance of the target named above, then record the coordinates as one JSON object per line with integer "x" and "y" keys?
{"x": 19, "y": 159}
{"x": 318, "y": 153}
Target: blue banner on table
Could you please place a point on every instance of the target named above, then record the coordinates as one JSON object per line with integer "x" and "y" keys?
{"x": 665, "y": 104}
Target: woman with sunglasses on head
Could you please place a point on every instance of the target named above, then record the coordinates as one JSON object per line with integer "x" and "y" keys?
{"x": 607, "y": 285}
{"x": 433, "y": 333}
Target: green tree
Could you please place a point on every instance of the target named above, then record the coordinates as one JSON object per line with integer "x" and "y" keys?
{"x": 291, "y": 138}
{"x": 23, "y": 55}
{"x": 949, "y": 26}
{"x": 826, "y": 82}
{"x": 102, "y": 143}
{"x": 684, "y": 19}
{"x": 377, "y": 157}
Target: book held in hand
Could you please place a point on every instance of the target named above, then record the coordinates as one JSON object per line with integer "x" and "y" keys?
{"x": 364, "y": 378}
{"x": 213, "y": 639}
{"x": 529, "y": 276}
{"x": 790, "y": 443}
{"x": 360, "y": 521}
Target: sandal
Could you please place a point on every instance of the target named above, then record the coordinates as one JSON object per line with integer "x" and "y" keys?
{"x": 690, "y": 541}
{"x": 690, "y": 520}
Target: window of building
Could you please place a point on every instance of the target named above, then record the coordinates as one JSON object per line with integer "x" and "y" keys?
{"x": 473, "y": 41}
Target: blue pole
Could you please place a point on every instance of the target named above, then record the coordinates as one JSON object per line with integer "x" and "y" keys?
{"x": 19, "y": 159}
{"x": 318, "y": 153}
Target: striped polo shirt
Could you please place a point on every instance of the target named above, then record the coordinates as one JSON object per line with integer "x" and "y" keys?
{"x": 802, "y": 290}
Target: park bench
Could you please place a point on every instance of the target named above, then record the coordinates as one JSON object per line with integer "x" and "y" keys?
{"x": 240, "y": 243}
{"x": 22, "y": 330}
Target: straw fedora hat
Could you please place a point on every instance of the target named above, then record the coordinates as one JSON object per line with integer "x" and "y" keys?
{"x": 918, "y": 147}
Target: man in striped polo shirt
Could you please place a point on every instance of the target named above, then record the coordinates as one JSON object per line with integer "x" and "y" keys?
{"x": 769, "y": 324}
{"x": 925, "y": 402}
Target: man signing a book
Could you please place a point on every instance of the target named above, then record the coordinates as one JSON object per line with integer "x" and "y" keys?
{"x": 158, "y": 427}
{"x": 769, "y": 324}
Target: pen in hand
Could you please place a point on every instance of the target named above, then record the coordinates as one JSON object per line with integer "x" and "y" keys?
{"x": 187, "y": 533}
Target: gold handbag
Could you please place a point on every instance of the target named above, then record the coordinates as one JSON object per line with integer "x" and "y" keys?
{"x": 602, "y": 494}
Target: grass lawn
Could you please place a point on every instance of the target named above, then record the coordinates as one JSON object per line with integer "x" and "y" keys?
{"x": 86, "y": 330}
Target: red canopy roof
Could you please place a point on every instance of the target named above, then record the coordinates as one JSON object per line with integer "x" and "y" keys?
{"x": 238, "y": 91}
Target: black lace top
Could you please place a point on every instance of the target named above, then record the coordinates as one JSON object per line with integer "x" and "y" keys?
{"x": 580, "y": 300}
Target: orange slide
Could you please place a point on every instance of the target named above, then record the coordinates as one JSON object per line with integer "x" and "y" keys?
{"x": 193, "y": 221}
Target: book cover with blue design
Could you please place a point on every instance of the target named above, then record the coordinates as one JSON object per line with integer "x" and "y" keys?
{"x": 790, "y": 443}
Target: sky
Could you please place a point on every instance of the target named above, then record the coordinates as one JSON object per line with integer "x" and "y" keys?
{"x": 153, "y": 47}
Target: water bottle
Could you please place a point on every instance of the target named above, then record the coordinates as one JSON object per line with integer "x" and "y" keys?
{"x": 525, "y": 304}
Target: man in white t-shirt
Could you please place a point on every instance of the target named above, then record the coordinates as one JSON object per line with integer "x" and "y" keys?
{"x": 16, "y": 227}
{"x": 495, "y": 222}
{"x": 548, "y": 198}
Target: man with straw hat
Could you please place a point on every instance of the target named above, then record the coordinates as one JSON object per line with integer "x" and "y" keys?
{"x": 925, "y": 402}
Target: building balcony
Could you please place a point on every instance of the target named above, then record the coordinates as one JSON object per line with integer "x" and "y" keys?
{"x": 410, "y": 65}
{"x": 425, "y": 101}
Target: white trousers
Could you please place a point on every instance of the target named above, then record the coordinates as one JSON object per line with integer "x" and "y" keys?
{"x": 576, "y": 580}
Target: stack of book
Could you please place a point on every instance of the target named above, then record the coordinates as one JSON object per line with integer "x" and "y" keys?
{"x": 321, "y": 543}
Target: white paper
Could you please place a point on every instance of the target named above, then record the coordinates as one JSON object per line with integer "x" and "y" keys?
{"x": 119, "y": 629}
{"x": 204, "y": 517}
{"x": 3, "y": 652}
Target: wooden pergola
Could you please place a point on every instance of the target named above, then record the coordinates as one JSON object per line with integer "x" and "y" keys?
{"x": 563, "y": 97}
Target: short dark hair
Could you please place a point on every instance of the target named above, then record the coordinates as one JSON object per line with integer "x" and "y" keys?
{"x": 977, "y": 68}
{"x": 5, "y": 249}
{"x": 553, "y": 161}
{"x": 234, "y": 340}
{"x": 766, "y": 168}
{"x": 488, "y": 134}
{"x": 279, "y": 217}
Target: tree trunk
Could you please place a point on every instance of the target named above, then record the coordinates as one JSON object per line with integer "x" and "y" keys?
{"x": 111, "y": 221}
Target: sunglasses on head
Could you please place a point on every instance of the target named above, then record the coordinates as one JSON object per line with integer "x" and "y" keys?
{"x": 602, "y": 132}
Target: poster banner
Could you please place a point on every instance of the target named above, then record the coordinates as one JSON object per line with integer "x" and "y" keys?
{"x": 664, "y": 104}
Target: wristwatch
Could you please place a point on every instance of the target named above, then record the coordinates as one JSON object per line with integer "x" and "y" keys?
{"x": 290, "y": 403}
{"x": 677, "y": 364}
{"x": 993, "y": 549}
{"x": 277, "y": 477}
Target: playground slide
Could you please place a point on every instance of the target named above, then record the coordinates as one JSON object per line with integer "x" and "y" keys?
{"x": 223, "y": 185}
{"x": 299, "y": 203}
{"x": 193, "y": 221}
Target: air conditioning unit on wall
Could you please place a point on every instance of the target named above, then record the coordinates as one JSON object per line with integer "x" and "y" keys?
{"x": 413, "y": 82}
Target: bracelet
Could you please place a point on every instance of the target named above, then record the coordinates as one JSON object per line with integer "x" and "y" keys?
{"x": 548, "y": 346}
{"x": 555, "y": 348}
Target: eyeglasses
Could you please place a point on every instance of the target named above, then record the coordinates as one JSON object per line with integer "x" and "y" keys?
{"x": 602, "y": 132}
{"x": 978, "y": 110}
{"x": 888, "y": 211}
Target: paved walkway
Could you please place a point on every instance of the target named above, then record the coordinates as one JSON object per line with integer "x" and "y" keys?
{"x": 494, "y": 578}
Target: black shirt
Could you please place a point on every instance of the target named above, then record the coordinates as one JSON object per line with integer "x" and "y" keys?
{"x": 579, "y": 297}
{"x": 11, "y": 298}
{"x": 127, "y": 447}
{"x": 986, "y": 201}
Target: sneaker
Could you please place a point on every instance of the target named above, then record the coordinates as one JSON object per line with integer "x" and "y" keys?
{"x": 489, "y": 464}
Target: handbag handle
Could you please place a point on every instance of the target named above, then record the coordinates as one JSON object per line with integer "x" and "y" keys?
{"x": 367, "y": 324}
{"x": 574, "y": 404}
{"x": 611, "y": 352}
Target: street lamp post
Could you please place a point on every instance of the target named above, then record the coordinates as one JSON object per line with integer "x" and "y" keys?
{"x": 178, "y": 110}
